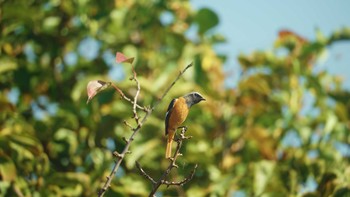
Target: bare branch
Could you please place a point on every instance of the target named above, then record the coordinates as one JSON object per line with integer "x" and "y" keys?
{"x": 184, "y": 181}
{"x": 122, "y": 95}
{"x": 172, "y": 164}
{"x": 128, "y": 125}
{"x": 148, "y": 111}
{"x": 144, "y": 173}
{"x": 172, "y": 84}
{"x": 136, "y": 117}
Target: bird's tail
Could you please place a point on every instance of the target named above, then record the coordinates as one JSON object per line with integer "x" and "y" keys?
{"x": 169, "y": 143}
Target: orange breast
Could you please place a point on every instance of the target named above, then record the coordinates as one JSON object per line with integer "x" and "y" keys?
{"x": 179, "y": 114}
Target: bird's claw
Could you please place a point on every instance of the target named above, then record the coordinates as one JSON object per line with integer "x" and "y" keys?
{"x": 183, "y": 127}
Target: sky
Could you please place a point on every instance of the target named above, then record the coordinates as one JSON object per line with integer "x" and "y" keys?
{"x": 254, "y": 25}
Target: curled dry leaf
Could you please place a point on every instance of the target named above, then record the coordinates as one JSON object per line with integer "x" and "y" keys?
{"x": 120, "y": 58}
{"x": 95, "y": 87}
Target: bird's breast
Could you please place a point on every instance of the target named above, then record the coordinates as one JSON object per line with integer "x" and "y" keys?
{"x": 179, "y": 113}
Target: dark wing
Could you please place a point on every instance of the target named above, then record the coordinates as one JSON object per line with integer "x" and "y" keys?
{"x": 167, "y": 115}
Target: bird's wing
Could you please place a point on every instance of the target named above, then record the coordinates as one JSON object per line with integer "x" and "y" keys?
{"x": 167, "y": 115}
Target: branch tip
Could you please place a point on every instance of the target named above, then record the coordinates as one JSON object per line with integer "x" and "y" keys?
{"x": 125, "y": 140}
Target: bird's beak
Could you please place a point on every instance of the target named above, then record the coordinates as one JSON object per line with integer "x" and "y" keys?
{"x": 203, "y": 99}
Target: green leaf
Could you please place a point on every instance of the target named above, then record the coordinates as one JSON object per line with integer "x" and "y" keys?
{"x": 51, "y": 22}
{"x": 65, "y": 142}
{"x": 263, "y": 171}
{"x": 7, "y": 65}
{"x": 69, "y": 184}
{"x": 97, "y": 157}
{"x": 22, "y": 152}
{"x": 257, "y": 83}
{"x": 200, "y": 76}
{"x": 26, "y": 146}
{"x": 342, "y": 34}
{"x": 196, "y": 191}
{"x": 206, "y": 19}
{"x": 7, "y": 169}
{"x": 311, "y": 194}
{"x": 330, "y": 123}
{"x": 327, "y": 183}
{"x": 29, "y": 142}
{"x": 220, "y": 186}
{"x": 129, "y": 184}
{"x": 4, "y": 186}
{"x": 344, "y": 191}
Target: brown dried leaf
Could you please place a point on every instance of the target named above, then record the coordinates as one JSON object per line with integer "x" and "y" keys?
{"x": 120, "y": 58}
{"x": 95, "y": 87}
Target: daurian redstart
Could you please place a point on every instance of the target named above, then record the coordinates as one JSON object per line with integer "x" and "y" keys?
{"x": 176, "y": 115}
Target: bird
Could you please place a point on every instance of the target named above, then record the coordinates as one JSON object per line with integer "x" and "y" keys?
{"x": 176, "y": 114}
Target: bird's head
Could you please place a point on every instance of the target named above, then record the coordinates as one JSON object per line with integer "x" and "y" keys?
{"x": 193, "y": 98}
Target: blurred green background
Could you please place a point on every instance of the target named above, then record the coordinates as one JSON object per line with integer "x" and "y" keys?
{"x": 282, "y": 131}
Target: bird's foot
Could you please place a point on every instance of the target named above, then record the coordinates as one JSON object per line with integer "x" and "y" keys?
{"x": 183, "y": 127}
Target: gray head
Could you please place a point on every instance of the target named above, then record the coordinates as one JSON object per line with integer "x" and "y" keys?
{"x": 193, "y": 98}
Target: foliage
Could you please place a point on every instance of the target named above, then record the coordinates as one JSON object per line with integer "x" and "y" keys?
{"x": 54, "y": 144}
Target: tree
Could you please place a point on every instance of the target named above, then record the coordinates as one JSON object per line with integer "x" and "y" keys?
{"x": 53, "y": 144}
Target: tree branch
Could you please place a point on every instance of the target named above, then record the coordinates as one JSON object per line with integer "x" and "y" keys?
{"x": 136, "y": 117}
{"x": 144, "y": 173}
{"x": 184, "y": 181}
{"x": 172, "y": 164}
{"x": 171, "y": 85}
{"x": 120, "y": 156}
{"x": 122, "y": 95}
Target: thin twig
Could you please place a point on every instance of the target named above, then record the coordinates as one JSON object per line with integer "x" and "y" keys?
{"x": 120, "y": 156}
{"x": 148, "y": 110}
{"x": 144, "y": 173}
{"x": 184, "y": 181}
{"x": 127, "y": 98}
{"x": 128, "y": 125}
{"x": 171, "y": 85}
{"x": 136, "y": 117}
